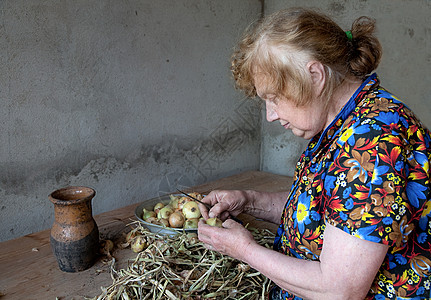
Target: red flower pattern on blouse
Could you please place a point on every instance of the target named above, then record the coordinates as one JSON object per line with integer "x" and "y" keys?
{"x": 368, "y": 175}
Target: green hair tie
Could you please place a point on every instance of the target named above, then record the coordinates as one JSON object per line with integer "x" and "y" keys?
{"x": 349, "y": 35}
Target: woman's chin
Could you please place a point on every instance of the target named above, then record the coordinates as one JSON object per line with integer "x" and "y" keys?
{"x": 302, "y": 134}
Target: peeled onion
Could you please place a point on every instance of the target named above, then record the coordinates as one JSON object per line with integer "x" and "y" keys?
{"x": 215, "y": 222}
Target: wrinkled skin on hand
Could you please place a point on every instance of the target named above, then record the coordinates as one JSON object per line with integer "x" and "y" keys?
{"x": 224, "y": 203}
{"x": 232, "y": 239}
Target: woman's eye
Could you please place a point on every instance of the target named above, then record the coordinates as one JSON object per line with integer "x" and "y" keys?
{"x": 271, "y": 98}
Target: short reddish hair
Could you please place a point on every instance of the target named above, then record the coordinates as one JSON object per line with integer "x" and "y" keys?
{"x": 281, "y": 45}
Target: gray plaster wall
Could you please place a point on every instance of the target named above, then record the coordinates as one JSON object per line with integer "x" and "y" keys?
{"x": 131, "y": 97}
{"x": 134, "y": 97}
{"x": 404, "y": 29}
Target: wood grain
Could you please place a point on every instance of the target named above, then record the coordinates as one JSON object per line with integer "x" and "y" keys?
{"x": 28, "y": 269}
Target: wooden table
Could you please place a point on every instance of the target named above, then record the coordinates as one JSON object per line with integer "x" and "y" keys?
{"x": 28, "y": 269}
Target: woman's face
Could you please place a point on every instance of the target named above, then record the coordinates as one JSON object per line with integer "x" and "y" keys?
{"x": 304, "y": 121}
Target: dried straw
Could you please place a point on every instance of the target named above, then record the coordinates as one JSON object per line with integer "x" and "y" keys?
{"x": 180, "y": 267}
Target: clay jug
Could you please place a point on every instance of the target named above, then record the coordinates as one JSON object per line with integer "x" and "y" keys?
{"x": 74, "y": 234}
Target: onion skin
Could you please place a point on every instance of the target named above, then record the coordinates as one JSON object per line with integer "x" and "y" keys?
{"x": 158, "y": 207}
{"x": 139, "y": 243}
{"x": 186, "y": 212}
{"x": 183, "y": 201}
{"x": 131, "y": 235}
{"x": 153, "y": 220}
{"x": 191, "y": 223}
{"x": 176, "y": 220}
{"x": 165, "y": 212}
{"x": 106, "y": 247}
{"x": 148, "y": 214}
{"x": 164, "y": 222}
{"x": 192, "y": 238}
{"x": 174, "y": 203}
{"x": 191, "y": 210}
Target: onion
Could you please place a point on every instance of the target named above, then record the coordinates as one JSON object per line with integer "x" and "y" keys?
{"x": 214, "y": 222}
{"x": 131, "y": 235}
{"x": 158, "y": 207}
{"x": 165, "y": 212}
{"x": 176, "y": 219}
{"x": 191, "y": 210}
{"x": 139, "y": 243}
{"x": 192, "y": 238}
{"x": 164, "y": 222}
{"x": 148, "y": 214}
{"x": 191, "y": 223}
{"x": 183, "y": 201}
{"x": 153, "y": 220}
{"x": 106, "y": 247}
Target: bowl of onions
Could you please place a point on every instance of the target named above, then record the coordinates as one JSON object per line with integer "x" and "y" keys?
{"x": 170, "y": 214}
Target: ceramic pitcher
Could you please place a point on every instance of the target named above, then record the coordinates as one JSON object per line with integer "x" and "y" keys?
{"x": 74, "y": 234}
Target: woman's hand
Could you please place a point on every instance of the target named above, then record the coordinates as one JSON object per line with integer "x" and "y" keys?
{"x": 224, "y": 203}
{"x": 263, "y": 205}
{"x": 232, "y": 239}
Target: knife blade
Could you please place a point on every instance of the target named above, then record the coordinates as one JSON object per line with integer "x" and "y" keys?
{"x": 207, "y": 205}
{"x": 190, "y": 196}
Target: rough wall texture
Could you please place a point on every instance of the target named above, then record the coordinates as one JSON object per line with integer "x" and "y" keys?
{"x": 404, "y": 29}
{"x": 133, "y": 98}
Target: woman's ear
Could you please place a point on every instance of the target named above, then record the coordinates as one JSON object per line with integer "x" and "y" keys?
{"x": 318, "y": 75}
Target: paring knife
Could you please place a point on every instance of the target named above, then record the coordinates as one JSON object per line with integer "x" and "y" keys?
{"x": 208, "y": 206}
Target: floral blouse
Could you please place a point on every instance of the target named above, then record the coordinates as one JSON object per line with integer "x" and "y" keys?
{"x": 367, "y": 174}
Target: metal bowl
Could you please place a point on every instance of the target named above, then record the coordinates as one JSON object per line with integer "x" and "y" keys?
{"x": 149, "y": 205}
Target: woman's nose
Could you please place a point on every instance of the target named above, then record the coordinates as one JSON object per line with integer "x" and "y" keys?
{"x": 271, "y": 115}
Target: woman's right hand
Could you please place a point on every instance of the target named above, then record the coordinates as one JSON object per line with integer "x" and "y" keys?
{"x": 224, "y": 203}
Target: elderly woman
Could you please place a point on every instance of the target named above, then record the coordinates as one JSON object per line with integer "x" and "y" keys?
{"x": 356, "y": 223}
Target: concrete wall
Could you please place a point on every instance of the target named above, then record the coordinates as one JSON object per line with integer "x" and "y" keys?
{"x": 131, "y": 97}
{"x": 404, "y": 29}
{"x": 134, "y": 97}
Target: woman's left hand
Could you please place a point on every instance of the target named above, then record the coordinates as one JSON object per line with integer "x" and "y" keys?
{"x": 232, "y": 239}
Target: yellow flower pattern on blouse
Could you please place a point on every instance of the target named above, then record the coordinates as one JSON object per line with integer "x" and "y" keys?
{"x": 368, "y": 175}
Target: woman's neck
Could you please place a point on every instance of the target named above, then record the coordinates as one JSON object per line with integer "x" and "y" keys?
{"x": 340, "y": 97}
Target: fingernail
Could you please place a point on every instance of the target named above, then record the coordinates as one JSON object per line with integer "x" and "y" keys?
{"x": 211, "y": 215}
